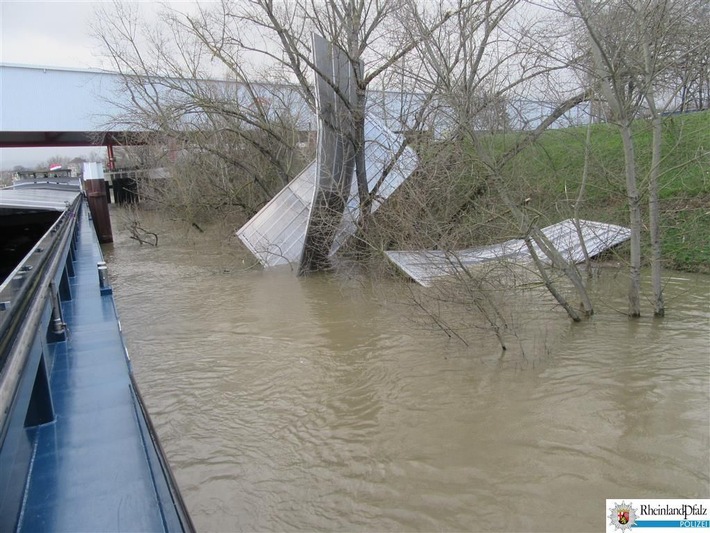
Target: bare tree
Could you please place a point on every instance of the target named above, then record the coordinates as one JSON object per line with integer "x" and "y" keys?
{"x": 375, "y": 35}
{"x": 246, "y": 131}
{"x": 609, "y": 54}
{"x": 636, "y": 53}
{"x": 658, "y": 22}
{"x": 483, "y": 56}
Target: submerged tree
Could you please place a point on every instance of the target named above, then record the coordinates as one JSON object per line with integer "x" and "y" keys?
{"x": 486, "y": 55}
{"x": 636, "y": 56}
{"x": 372, "y": 36}
{"x": 164, "y": 71}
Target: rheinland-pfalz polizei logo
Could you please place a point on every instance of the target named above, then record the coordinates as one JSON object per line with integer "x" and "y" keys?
{"x": 622, "y": 516}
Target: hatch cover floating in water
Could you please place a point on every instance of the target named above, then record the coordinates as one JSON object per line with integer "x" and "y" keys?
{"x": 275, "y": 235}
{"x": 299, "y": 213}
{"x": 426, "y": 266}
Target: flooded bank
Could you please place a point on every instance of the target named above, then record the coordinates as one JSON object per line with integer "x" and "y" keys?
{"x": 320, "y": 403}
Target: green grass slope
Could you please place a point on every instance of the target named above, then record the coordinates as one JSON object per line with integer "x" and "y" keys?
{"x": 548, "y": 176}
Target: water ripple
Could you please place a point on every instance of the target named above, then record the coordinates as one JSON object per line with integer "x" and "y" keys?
{"x": 291, "y": 404}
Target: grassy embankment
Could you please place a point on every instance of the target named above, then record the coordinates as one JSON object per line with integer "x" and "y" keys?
{"x": 552, "y": 175}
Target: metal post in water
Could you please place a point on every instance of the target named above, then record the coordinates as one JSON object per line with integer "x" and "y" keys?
{"x": 98, "y": 203}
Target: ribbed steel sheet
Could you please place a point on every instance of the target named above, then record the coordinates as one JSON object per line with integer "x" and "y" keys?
{"x": 275, "y": 235}
{"x": 380, "y": 147}
{"x": 41, "y": 199}
{"x": 427, "y": 266}
{"x": 335, "y": 99}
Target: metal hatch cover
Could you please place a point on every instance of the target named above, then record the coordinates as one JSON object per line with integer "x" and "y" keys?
{"x": 277, "y": 234}
{"x": 427, "y": 266}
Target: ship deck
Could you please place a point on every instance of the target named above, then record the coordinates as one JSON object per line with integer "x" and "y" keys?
{"x": 94, "y": 467}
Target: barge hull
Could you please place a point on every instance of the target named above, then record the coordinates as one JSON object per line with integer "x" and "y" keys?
{"x": 79, "y": 452}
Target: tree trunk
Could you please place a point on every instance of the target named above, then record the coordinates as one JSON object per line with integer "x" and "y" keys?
{"x": 567, "y": 267}
{"x": 531, "y": 231}
{"x": 634, "y": 201}
{"x": 571, "y": 312}
{"x": 360, "y": 162}
{"x": 654, "y": 218}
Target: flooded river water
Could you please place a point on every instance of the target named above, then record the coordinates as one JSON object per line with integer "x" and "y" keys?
{"x": 318, "y": 404}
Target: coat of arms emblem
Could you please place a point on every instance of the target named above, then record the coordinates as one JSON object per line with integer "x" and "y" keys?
{"x": 622, "y": 516}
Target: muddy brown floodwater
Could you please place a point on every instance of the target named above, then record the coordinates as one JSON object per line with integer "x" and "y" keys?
{"x": 318, "y": 404}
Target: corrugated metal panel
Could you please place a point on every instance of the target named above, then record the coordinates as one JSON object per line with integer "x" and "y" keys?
{"x": 44, "y": 199}
{"x": 275, "y": 235}
{"x": 381, "y": 145}
{"x": 335, "y": 159}
{"x": 426, "y": 266}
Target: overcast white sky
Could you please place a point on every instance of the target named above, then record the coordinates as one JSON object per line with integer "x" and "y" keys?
{"x": 47, "y": 33}
{"x": 51, "y": 33}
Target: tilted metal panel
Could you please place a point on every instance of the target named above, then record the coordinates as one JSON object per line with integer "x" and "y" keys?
{"x": 426, "y": 266}
{"x": 275, "y": 235}
{"x": 335, "y": 99}
{"x": 381, "y": 145}
{"x": 335, "y": 125}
